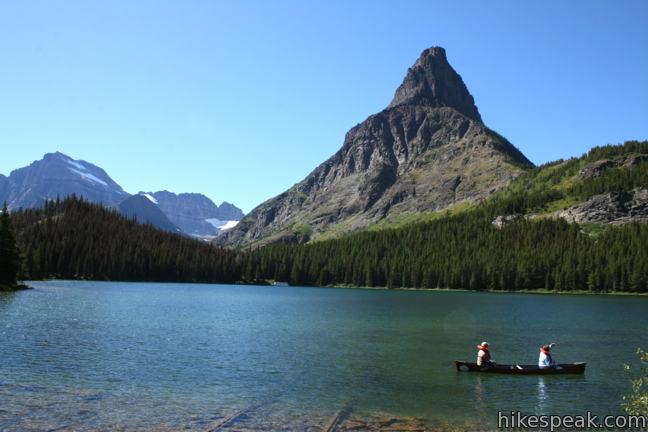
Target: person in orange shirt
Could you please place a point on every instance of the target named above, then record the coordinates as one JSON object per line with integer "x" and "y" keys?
{"x": 484, "y": 355}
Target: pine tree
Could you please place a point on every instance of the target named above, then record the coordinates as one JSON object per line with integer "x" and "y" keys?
{"x": 9, "y": 253}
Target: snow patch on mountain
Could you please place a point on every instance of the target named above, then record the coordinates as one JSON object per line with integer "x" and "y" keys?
{"x": 89, "y": 177}
{"x": 221, "y": 225}
{"x": 229, "y": 224}
{"x": 150, "y": 197}
{"x": 75, "y": 164}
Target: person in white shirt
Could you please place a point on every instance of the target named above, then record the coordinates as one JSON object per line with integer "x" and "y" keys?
{"x": 545, "y": 360}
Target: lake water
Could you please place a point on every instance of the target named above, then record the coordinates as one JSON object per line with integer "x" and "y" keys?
{"x": 115, "y": 356}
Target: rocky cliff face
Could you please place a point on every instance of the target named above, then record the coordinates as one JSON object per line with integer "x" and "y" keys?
{"x": 58, "y": 175}
{"x": 4, "y": 189}
{"x": 433, "y": 83}
{"x": 613, "y": 208}
{"x": 596, "y": 169}
{"x": 228, "y": 211}
{"x": 426, "y": 151}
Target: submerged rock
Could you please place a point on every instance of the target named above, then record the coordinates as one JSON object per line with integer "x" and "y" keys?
{"x": 388, "y": 423}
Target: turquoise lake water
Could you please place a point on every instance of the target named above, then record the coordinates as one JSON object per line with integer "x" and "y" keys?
{"x": 114, "y": 356}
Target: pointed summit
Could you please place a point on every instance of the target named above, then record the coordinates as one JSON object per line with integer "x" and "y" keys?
{"x": 431, "y": 81}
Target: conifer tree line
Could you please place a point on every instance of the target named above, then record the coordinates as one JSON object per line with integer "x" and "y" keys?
{"x": 466, "y": 252}
{"x": 79, "y": 240}
{"x": 74, "y": 239}
{"x": 9, "y": 253}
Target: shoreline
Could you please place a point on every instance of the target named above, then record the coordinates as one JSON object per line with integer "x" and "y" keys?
{"x": 269, "y": 283}
{"x": 538, "y": 291}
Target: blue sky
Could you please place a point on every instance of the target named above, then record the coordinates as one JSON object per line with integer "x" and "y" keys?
{"x": 239, "y": 100}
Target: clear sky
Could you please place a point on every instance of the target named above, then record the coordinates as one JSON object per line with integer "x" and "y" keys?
{"x": 239, "y": 100}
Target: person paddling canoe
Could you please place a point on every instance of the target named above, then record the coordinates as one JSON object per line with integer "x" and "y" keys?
{"x": 545, "y": 360}
{"x": 484, "y": 355}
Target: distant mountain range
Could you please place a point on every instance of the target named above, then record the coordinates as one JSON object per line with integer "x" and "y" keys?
{"x": 195, "y": 214}
{"x": 57, "y": 175}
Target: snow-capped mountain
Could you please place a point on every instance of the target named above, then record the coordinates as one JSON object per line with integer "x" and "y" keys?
{"x": 195, "y": 214}
{"x": 58, "y": 175}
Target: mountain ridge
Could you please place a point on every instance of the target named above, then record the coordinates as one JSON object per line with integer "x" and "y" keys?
{"x": 145, "y": 211}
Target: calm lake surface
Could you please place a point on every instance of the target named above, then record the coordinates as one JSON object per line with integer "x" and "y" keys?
{"x": 114, "y": 356}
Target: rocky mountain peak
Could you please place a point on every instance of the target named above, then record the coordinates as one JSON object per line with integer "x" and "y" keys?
{"x": 432, "y": 82}
{"x": 229, "y": 211}
{"x": 58, "y": 175}
{"x": 427, "y": 151}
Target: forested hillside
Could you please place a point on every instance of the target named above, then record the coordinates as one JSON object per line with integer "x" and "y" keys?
{"x": 512, "y": 241}
{"x": 76, "y": 239}
{"x": 467, "y": 251}
{"x": 558, "y": 185}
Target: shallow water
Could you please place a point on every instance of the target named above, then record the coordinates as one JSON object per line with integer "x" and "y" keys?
{"x": 113, "y": 356}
